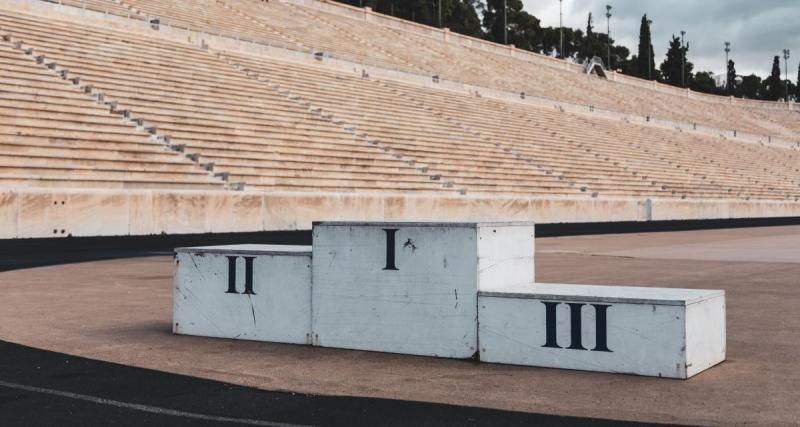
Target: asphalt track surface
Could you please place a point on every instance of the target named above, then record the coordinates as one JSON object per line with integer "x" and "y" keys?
{"x": 59, "y": 308}
{"x": 45, "y": 388}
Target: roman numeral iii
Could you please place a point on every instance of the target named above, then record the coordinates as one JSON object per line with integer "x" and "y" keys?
{"x": 601, "y": 326}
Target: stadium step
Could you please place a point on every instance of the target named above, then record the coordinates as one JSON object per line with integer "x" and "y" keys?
{"x": 30, "y": 127}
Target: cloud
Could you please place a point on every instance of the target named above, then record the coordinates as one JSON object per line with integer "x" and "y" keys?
{"x": 757, "y": 30}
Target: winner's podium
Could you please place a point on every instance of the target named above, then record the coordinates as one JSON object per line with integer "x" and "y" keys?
{"x": 252, "y": 292}
{"x": 662, "y": 332}
{"x": 411, "y": 287}
{"x": 458, "y": 290}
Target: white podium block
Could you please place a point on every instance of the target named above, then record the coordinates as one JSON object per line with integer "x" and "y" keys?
{"x": 411, "y": 287}
{"x": 661, "y": 332}
{"x": 251, "y": 292}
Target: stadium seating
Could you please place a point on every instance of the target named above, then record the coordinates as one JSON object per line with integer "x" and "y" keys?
{"x": 211, "y": 17}
{"x": 236, "y": 124}
{"x": 104, "y": 6}
{"x": 573, "y": 149}
{"x": 266, "y": 123}
{"x": 440, "y": 147}
{"x": 52, "y": 134}
{"x": 308, "y": 29}
{"x": 420, "y": 53}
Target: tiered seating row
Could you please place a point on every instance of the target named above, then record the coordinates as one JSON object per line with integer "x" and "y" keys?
{"x": 104, "y": 6}
{"x": 504, "y": 72}
{"x": 240, "y": 127}
{"x": 619, "y": 159}
{"x": 278, "y": 125}
{"x": 53, "y": 135}
{"x": 468, "y": 161}
{"x": 213, "y": 17}
{"x": 601, "y": 156}
{"x": 310, "y": 30}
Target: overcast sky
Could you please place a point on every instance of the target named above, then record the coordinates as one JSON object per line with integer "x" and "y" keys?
{"x": 757, "y": 29}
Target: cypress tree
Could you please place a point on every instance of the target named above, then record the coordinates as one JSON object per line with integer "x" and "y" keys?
{"x": 772, "y": 87}
{"x": 646, "y": 66}
{"x": 730, "y": 80}
{"x": 588, "y": 51}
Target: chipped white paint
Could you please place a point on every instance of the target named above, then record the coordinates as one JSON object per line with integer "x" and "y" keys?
{"x": 422, "y": 300}
{"x": 446, "y": 290}
{"x": 278, "y": 309}
{"x": 674, "y": 333}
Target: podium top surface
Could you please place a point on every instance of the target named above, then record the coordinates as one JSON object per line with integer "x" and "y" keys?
{"x": 248, "y": 249}
{"x": 599, "y": 293}
{"x": 425, "y": 223}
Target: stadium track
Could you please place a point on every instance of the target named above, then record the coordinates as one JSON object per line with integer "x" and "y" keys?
{"x": 39, "y": 387}
{"x": 65, "y": 309}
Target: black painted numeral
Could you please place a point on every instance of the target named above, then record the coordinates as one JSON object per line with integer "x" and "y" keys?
{"x": 575, "y": 326}
{"x": 601, "y": 326}
{"x": 390, "y": 247}
{"x": 550, "y": 324}
{"x": 248, "y": 275}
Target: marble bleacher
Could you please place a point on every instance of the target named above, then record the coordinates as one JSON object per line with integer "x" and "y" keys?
{"x": 275, "y": 125}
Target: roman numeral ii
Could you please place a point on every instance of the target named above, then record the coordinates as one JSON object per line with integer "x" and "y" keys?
{"x": 248, "y": 275}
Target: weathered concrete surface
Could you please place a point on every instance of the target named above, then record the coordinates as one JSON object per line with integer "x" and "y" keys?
{"x": 120, "y": 311}
{"x": 32, "y": 213}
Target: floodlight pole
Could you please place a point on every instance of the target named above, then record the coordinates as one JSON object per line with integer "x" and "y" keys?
{"x": 727, "y": 70}
{"x": 561, "y": 27}
{"x": 650, "y": 51}
{"x": 683, "y": 61}
{"x": 786, "y": 65}
{"x": 608, "y": 36}
{"x": 440, "y": 13}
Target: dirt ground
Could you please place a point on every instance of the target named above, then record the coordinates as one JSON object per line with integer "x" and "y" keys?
{"x": 120, "y": 311}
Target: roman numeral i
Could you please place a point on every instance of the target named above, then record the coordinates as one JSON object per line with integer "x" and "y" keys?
{"x": 390, "y": 246}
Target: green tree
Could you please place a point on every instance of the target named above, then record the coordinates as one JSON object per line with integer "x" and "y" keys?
{"x": 493, "y": 19}
{"x": 588, "y": 45}
{"x": 630, "y": 66}
{"x": 772, "y": 88}
{"x": 673, "y": 64}
{"x": 645, "y": 64}
{"x": 749, "y": 87}
{"x": 463, "y": 18}
{"x": 619, "y": 57}
{"x": 730, "y": 79}
{"x": 797, "y": 86}
{"x": 703, "y": 81}
{"x": 551, "y": 40}
{"x": 524, "y": 29}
